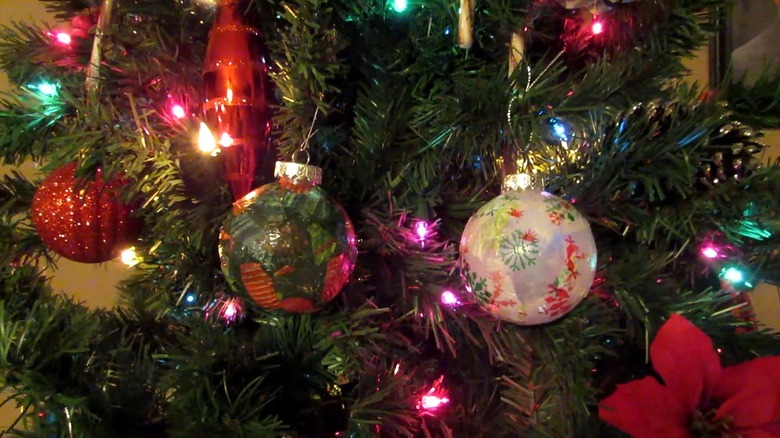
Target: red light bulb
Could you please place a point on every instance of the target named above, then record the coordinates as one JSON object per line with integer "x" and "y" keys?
{"x": 64, "y": 38}
{"x": 597, "y": 27}
{"x": 178, "y": 111}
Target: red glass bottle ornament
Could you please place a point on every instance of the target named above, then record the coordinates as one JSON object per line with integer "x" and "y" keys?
{"x": 83, "y": 221}
{"x": 237, "y": 98}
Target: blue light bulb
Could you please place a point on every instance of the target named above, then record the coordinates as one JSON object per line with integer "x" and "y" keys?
{"x": 190, "y": 298}
{"x": 560, "y": 130}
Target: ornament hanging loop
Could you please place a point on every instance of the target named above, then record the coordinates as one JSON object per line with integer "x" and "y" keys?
{"x": 304, "y": 148}
{"x": 517, "y": 157}
{"x": 93, "y": 69}
{"x": 301, "y": 156}
{"x": 297, "y": 174}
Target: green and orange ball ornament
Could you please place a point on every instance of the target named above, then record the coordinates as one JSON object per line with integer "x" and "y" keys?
{"x": 287, "y": 245}
{"x": 527, "y": 256}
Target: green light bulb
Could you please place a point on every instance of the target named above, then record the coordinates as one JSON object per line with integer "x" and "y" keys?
{"x": 45, "y": 88}
{"x": 400, "y": 5}
{"x": 733, "y": 275}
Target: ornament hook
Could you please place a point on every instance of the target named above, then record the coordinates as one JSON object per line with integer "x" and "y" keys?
{"x": 304, "y": 147}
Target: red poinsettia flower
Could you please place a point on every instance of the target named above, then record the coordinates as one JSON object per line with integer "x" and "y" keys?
{"x": 698, "y": 397}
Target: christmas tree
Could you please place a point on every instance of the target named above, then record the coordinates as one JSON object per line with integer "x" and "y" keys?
{"x": 495, "y": 218}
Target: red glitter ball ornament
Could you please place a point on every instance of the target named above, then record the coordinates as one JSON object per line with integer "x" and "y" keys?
{"x": 83, "y": 220}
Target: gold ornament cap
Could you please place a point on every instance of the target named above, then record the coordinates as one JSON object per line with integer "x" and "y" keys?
{"x": 519, "y": 181}
{"x": 301, "y": 176}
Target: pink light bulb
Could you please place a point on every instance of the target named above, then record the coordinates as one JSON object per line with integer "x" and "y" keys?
{"x": 449, "y": 298}
{"x": 178, "y": 111}
{"x": 64, "y": 38}
{"x": 422, "y": 229}
{"x": 709, "y": 252}
{"x": 597, "y": 27}
{"x": 435, "y": 398}
{"x": 230, "y": 310}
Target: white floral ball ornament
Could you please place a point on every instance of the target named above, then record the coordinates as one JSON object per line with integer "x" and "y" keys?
{"x": 527, "y": 256}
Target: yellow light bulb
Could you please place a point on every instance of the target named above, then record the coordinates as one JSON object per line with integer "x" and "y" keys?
{"x": 206, "y": 142}
{"x": 129, "y": 257}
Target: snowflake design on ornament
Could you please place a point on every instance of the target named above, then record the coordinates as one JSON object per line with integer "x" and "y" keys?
{"x": 519, "y": 249}
{"x": 500, "y": 213}
{"x": 559, "y": 210}
{"x": 502, "y": 205}
{"x": 476, "y": 284}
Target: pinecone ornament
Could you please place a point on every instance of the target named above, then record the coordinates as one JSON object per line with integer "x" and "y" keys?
{"x": 734, "y": 149}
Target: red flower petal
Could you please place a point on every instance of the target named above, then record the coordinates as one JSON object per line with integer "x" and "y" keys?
{"x": 683, "y": 355}
{"x": 756, "y": 434}
{"x": 645, "y": 409}
{"x": 750, "y": 393}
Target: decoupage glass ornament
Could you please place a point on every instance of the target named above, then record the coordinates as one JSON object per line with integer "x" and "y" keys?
{"x": 287, "y": 245}
{"x": 527, "y": 256}
{"x": 83, "y": 221}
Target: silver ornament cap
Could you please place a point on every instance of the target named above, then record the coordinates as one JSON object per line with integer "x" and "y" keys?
{"x": 297, "y": 174}
{"x": 519, "y": 181}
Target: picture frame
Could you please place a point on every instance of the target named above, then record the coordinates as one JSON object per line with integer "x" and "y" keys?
{"x": 745, "y": 59}
{"x": 748, "y": 38}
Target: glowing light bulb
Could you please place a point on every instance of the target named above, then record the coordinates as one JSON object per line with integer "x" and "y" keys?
{"x": 129, "y": 257}
{"x": 45, "y": 88}
{"x": 206, "y": 142}
{"x": 230, "y": 310}
{"x": 560, "y": 130}
{"x": 421, "y": 228}
{"x": 733, "y": 275}
{"x": 190, "y": 298}
{"x": 709, "y": 252}
{"x": 430, "y": 402}
{"x": 63, "y": 38}
{"x": 435, "y": 398}
{"x": 597, "y": 27}
{"x": 229, "y": 95}
{"x": 225, "y": 140}
{"x": 400, "y": 5}
{"x": 449, "y": 298}
{"x": 178, "y": 111}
